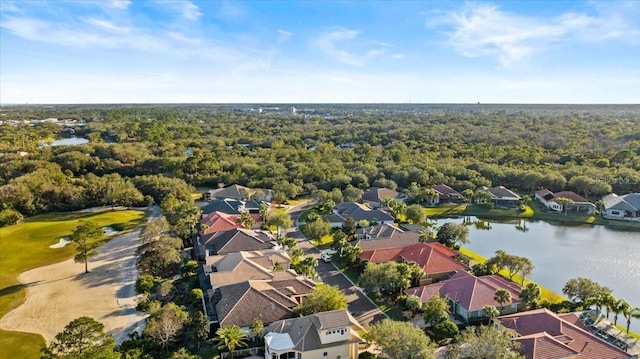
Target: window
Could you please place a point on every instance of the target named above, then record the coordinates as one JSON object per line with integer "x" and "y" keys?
{"x": 325, "y": 354}
{"x": 341, "y": 331}
{"x": 615, "y": 213}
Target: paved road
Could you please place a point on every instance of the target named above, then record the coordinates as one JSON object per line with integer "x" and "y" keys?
{"x": 359, "y": 305}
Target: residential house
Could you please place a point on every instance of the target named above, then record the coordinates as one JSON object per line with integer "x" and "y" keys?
{"x": 378, "y": 231}
{"x": 500, "y": 196}
{"x": 234, "y": 240}
{"x": 332, "y": 334}
{"x": 232, "y": 206}
{"x": 232, "y": 268}
{"x": 239, "y": 193}
{"x": 395, "y": 239}
{"x": 218, "y": 222}
{"x": 579, "y": 205}
{"x": 374, "y": 196}
{"x": 468, "y": 294}
{"x": 435, "y": 259}
{"x": 447, "y": 194}
{"x": 543, "y": 334}
{"x": 624, "y": 207}
{"x": 361, "y": 214}
{"x": 268, "y": 300}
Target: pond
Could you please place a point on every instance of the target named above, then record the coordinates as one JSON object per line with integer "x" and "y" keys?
{"x": 64, "y": 142}
{"x": 559, "y": 252}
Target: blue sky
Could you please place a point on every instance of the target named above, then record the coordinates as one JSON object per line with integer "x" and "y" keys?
{"x": 119, "y": 51}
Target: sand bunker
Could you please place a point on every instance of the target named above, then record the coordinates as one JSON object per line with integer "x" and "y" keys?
{"x": 61, "y": 292}
{"x": 63, "y": 242}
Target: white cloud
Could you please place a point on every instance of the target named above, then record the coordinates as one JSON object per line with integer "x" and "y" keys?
{"x": 484, "y": 30}
{"x": 119, "y": 4}
{"x": 230, "y": 11}
{"x": 339, "y": 45}
{"x": 284, "y": 36}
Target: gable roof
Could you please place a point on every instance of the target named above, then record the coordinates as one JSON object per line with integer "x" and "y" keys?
{"x": 471, "y": 292}
{"x": 543, "y": 346}
{"x": 239, "y": 304}
{"x": 227, "y": 205}
{"x": 550, "y": 196}
{"x": 357, "y": 212}
{"x": 431, "y": 257}
{"x": 398, "y": 240}
{"x": 236, "y": 240}
{"x": 377, "y": 194}
{"x": 218, "y": 222}
{"x": 500, "y": 192}
{"x": 240, "y": 266}
{"x": 379, "y": 231}
{"x": 239, "y": 192}
{"x": 571, "y": 336}
{"x": 627, "y": 202}
{"x": 445, "y": 190}
{"x": 303, "y": 332}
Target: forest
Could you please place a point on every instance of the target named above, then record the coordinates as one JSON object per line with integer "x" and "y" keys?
{"x": 138, "y": 154}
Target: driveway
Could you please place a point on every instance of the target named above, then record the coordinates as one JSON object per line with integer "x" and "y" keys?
{"x": 359, "y": 305}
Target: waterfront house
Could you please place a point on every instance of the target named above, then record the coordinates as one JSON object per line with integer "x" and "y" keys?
{"x": 467, "y": 294}
{"x": 579, "y": 205}
{"x": 543, "y": 334}
{"x": 447, "y": 194}
{"x": 435, "y": 259}
{"x": 624, "y": 207}
{"x": 332, "y": 334}
{"x": 374, "y": 196}
{"x": 500, "y": 196}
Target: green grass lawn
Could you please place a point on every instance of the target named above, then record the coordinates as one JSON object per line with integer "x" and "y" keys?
{"x": 26, "y": 246}
{"x": 545, "y": 293}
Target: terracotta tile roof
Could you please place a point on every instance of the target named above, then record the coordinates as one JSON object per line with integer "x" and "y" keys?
{"x": 543, "y": 346}
{"x": 575, "y": 338}
{"x": 471, "y": 292}
{"x": 429, "y": 256}
{"x": 571, "y": 195}
{"x": 219, "y": 222}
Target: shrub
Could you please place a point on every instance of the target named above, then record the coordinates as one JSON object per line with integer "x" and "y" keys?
{"x": 146, "y": 283}
{"x": 9, "y": 216}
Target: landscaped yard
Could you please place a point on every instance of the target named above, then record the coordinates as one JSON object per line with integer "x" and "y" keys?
{"x": 26, "y": 246}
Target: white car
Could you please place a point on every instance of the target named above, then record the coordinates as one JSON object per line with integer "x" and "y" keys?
{"x": 329, "y": 251}
{"x": 325, "y": 257}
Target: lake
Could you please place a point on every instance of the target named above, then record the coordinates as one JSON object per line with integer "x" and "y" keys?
{"x": 608, "y": 256}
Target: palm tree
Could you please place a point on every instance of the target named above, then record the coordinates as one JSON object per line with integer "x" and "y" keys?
{"x": 617, "y": 308}
{"x": 468, "y": 195}
{"x": 490, "y": 311}
{"x": 245, "y": 220}
{"x": 526, "y": 200}
{"x": 607, "y": 301}
{"x": 635, "y": 313}
{"x": 529, "y": 294}
{"x": 626, "y": 310}
{"x": 502, "y": 296}
{"x": 231, "y": 337}
{"x": 565, "y": 202}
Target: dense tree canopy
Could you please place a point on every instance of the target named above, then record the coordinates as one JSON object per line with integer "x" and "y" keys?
{"x": 400, "y": 340}
{"x": 83, "y": 338}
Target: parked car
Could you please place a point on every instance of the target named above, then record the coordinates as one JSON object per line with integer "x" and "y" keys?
{"x": 329, "y": 251}
{"x": 325, "y": 257}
